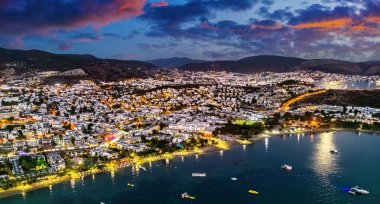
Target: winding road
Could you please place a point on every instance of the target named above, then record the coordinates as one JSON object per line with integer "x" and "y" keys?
{"x": 286, "y": 106}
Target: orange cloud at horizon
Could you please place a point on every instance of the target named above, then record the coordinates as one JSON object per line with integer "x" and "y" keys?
{"x": 348, "y": 24}
{"x": 326, "y": 24}
{"x": 373, "y": 19}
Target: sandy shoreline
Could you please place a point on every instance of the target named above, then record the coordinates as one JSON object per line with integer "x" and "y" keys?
{"x": 45, "y": 184}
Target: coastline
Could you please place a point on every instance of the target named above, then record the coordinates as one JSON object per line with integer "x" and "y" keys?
{"x": 20, "y": 190}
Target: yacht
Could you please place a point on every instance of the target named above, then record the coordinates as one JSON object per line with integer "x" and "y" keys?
{"x": 234, "y": 178}
{"x": 358, "y": 191}
{"x": 334, "y": 151}
{"x": 253, "y": 192}
{"x": 187, "y": 196}
{"x": 286, "y": 167}
{"x": 198, "y": 174}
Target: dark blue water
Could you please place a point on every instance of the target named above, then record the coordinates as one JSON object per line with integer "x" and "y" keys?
{"x": 317, "y": 177}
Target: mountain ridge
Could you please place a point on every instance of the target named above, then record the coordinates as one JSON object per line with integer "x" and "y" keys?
{"x": 273, "y": 63}
{"x": 174, "y": 62}
{"x": 23, "y": 61}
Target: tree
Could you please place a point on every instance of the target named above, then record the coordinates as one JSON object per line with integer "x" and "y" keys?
{"x": 9, "y": 128}
{"x": 21, "y": 136}
{"x": 143, "y": 139}
{"x": 344, "y": 109}
{"x": 27, "y": 162}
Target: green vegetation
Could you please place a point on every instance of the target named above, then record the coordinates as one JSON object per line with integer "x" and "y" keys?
{"x": 9, "y": 103}
{"x": 20, "y": 136}
{"x": 376, "y": 115}
{"x": 246, "y": 130}
{"x": 288, "y": 82}
{"x": 32, "y": 163}
{"x": 246, "y": 122}
{"x": 362, "y": 98}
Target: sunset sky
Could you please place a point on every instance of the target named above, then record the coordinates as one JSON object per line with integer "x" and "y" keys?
{"x": 203, "y": 29}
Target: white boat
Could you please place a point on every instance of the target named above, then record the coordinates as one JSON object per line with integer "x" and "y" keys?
{"x": 358, "y": 191}
{"x": 334, "y": 151}
{"x": 286, "y": 167}
{"x": 198, "y": 174}
{"x": 234, "y": 178}
{"x": 187, "y": 196}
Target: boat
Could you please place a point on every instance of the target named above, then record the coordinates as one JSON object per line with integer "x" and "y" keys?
{"x": 198, "y": 174}
{"x": 358, "y": 191}
{"x": 131, "y": 184}
{"x": 234, "y": 178}
{"x": 187, "y": 196}
{"x": 102, "y": 203}
{"x": 334, "y": 151}
{"x": 286, "y": 167}
{"x": 253, "y": 192}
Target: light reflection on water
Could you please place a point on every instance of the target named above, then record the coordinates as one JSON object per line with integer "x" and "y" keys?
{"x": 72, "y": 185}
{"x": 51, "y": 190}
{"x": 324, "y": 163}
{"x": 113, "y": 176}
{"x": 358, "y": 85}
{"x": 23, "y": 195}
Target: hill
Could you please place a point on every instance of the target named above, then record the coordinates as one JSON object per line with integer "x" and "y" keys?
{"x": 23, "y": 61}
{"x": 361, "y": 98}
{"x": 174, "y": 62}
{"x": 248, "y": 65}
{"x": 273, "y": 63}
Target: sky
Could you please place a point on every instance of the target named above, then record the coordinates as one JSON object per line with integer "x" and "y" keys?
{"x": 201, "y": 29}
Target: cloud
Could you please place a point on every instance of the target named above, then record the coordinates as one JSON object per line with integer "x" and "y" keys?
{"x": 84, "y": 38}
{"x": 169, "y": 18}
{"x": 335, "y": 29}
{"x": 21, "y": 17}
{"x": 159, "y": 4}
{"x": 12, "y": 43}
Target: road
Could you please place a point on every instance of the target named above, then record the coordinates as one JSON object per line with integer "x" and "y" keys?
{"x": 286, "y": 106}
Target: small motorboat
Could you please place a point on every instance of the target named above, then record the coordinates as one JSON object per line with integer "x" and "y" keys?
{"x": 131, "y": 184}
{"x": 358, "y": 191}
{"x": 187, "y": 196}
{"x": 234, "y": 178}
{"x": 286, "y": 167}
{"x": 334, "y": 151}
{"x": 253, "y": 192}
{"x": 198, "y": 174}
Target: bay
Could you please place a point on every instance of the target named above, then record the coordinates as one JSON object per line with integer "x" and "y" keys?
{"x": 317, "y": 177}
